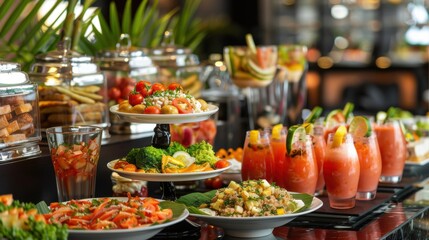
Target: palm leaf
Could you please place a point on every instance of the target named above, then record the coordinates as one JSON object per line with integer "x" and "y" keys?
{"x": 114, "y": 20}
{"x": 10, "y": 22}
{"x": 25, "y": 23}
{"x": 160, "y": 27}
{"x": 126, "y": 18}
{"x": 138, "y": 17}
{"x": 5, "y": 8}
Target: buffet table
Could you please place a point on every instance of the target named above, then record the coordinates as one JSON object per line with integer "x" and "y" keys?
{"x": 398, "y": 212}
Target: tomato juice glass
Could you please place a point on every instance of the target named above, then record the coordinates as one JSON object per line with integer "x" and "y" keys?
{"x": 300, "y": 168}
{"x": 257, "y": 158}
{"x": 75, "y": 151}
{"x": 319, "y": 146}
{"x": 393, "y": 149}
{"x": 278, "y": 146}
{"x": 341, "y": 172}
{"x": 370, "y": 166}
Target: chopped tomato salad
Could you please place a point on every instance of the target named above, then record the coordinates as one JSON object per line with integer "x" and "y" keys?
{"x": 108, "y": 213}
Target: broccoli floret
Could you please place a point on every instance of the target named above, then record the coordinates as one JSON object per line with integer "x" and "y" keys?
{"x": 149, "y": 158}
{"x": 202, "y": 152}
{"x": 175, "y": 147}
{"x": 133, "y": 155}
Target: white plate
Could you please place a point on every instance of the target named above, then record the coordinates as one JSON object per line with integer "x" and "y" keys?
{"x": 164, "y": 118}
{"x": 250, "y": 227}
{"x": 166, "y": 177}
{"x": 124, "y": 234}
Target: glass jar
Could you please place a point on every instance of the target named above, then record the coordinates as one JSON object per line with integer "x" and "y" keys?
{"x": 123, "y": 68}
{"x": 19, "y": 114}
{"x": 178, "y": 64}
{"x": 72, "y": 90}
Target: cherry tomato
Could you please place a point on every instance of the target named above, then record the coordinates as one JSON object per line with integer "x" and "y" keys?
{"x": 143, "y": 87}
{"x": 173, "y": 86}
{"x": 183, "y": 105}
{"x": 217, "y": 183}
{"x": 221, "y": 164}
{"x": 208, "y": 183}
{"x": 114, "y": 93}
{"x": 135, "y": 98}
{"x": 126, "y": 81}
{"x": 152, "y": 110}
{"x": 156, "y": 87}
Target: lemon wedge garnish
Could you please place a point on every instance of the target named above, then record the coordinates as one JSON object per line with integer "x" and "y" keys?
{"x": 254, "y": 137}
{"x": 276, "y": 131}
{"x": 308, "y": 128}
{"x": 339, "y": 136}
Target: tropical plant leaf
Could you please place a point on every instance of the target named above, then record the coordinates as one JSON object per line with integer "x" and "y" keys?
{"x": 138, "y": 17}
{"x": 114, "y": 20}
{"x": 12, "y": 19}
{"x": 25, "y": 23}
{"x": 5, "y": 8}
{"x": 126, "y": 18}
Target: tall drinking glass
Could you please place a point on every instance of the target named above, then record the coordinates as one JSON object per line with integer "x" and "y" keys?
{"x": 319, "y": 146}
{"x": 75, "y": 151}
{"x": 257, "y": 156}
{"x": 341, "y": 172}
{"x": 278, "y": 146}
{"x": 370, "y": 166}
{"x": 393, "y": 149}
{"x": 300, "y": 168}
{"x": 253, "y": 70}
{"x": 293, "y": 66}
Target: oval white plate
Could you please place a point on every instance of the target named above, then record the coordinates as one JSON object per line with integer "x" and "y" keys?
{"x": 164, "y": 118}
{"x": 249, "y": 227}
{"x": 167, "y": 177}
{"x": 124, "y": 234}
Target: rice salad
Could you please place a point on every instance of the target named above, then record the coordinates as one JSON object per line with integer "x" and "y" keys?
{"x": 162, "y": 98}
{"x": 252, "y": 198}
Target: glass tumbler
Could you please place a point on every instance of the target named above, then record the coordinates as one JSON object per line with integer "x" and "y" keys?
{"x": 278, "y": 146}
{"x": 75, "y": 151}
{"x": 393, "y": 149}
{"x": 257, "y": 156}
{"x": 370, "y": 166}
{"x": 319, "y": 146}
{"x": 341, "y": 171}
{"x": 300, "y": 168}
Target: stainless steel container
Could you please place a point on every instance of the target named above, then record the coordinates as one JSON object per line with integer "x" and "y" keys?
{"x": 19, "y": 114}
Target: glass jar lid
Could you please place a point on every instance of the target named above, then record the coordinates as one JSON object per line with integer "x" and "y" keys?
{"x": 11, "y": 74}
{"x": 171, "y": 55}
{"x": 63, "y": 63}
{"x": 124, "y": 57}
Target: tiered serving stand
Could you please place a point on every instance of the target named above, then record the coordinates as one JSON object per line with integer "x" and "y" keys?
{"x": 162, "y": 139}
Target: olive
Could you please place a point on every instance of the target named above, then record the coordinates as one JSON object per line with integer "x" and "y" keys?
{"x": 204, "y": 104}
{"x": 169, "y": 109}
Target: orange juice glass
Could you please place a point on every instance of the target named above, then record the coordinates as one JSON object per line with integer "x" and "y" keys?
{"x": 257, "y": 158}
{"x": 341, "y": 172}
{"x": 319, "y": 146}
{"x": 370, "y": 166}
{"x": 300, "y": 166}
{"x": 278, "y": 146}
{"x": 393, "y": 149}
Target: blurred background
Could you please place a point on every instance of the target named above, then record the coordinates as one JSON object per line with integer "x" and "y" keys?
{"x": 371, "y": 52}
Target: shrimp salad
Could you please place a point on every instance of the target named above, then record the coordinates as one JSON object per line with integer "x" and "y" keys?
{"x": 252, "y": 198}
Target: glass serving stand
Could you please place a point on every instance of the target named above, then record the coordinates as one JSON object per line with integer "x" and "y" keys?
{"x": 162, "y": 139}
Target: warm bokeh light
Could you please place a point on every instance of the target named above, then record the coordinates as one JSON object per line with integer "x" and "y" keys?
{"x": 383, "y": 62}
{"x": 325, "y": 62}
